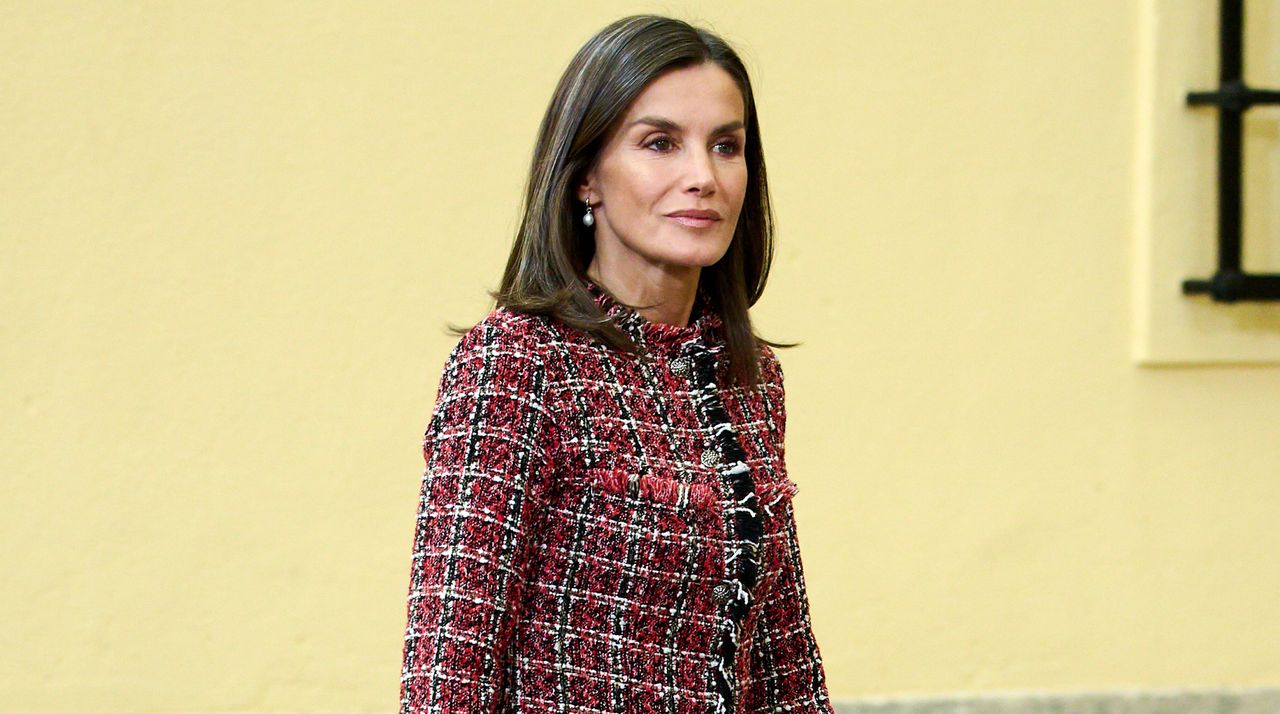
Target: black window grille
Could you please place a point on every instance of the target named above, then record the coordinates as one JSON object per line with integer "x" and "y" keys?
{"x": 1232, "y": 98}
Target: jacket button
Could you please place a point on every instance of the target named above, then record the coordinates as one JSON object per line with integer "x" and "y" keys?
{"x": 710, "y": 456}
{"x": 723, "y": 593}
{"x": 680, "y": 366}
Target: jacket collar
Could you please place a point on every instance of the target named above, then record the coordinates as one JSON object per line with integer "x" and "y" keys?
{"x": 704, "y": 324}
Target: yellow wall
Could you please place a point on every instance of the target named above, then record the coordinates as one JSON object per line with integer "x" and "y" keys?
{"x": 232, "y": 232}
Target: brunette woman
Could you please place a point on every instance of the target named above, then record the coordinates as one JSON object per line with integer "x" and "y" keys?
{"x": 606, "y": 521}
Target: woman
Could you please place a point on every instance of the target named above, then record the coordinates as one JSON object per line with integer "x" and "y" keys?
{"x": 605, "y": 521}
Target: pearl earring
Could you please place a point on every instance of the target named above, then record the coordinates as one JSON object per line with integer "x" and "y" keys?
{"x": 587, "y": 219}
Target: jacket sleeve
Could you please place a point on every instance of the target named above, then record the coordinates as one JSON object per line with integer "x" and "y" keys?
{"x": 786, "y": 662}
{"x": 484, "y": 449}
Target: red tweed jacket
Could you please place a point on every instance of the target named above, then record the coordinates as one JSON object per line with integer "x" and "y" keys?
{"x": 600, "y": 534}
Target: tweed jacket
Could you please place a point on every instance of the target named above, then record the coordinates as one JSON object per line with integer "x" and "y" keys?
{"x": 600, "y": 533}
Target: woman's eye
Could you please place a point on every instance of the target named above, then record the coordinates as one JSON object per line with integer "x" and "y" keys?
{"x": 733, "y": 147}
{"x": 663, "y": 143}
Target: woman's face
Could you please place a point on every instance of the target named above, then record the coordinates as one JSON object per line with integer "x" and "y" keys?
{"x": 678, "y": 148}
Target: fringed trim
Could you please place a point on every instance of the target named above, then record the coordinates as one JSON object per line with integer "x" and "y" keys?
{"x": 774, "y": 492}
{"x": 676, "y": 493}
{"x": 654, "y": 488}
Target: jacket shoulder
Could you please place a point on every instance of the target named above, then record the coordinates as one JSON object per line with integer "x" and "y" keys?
{"x": 514, "y": 338}
{"x": 509, "y": 329}
{"x": 770, "y": 366}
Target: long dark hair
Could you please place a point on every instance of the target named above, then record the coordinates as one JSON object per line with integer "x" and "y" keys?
{"x": 552, "y": 248}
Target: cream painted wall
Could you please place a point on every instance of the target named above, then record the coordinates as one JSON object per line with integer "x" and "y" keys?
{"x": 233, "y": 232}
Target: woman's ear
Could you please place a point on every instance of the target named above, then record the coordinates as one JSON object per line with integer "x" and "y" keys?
{"x": 586, "y": 187}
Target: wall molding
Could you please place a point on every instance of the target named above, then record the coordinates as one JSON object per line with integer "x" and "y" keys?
{"x": 1261, "y": 700}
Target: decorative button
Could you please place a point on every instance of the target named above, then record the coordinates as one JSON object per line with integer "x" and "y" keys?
{"x": 680, "y": 366}
{"x": 723, "y": 593}
{"x": 710, "y": 456}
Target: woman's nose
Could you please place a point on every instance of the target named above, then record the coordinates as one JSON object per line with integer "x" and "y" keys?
{"x": 702, "y": 172}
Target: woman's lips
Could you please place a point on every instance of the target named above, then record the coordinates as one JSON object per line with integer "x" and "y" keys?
{"x": 692, "y": 222}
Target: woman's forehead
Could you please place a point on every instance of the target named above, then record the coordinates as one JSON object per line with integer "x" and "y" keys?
{"x": 704, "y": 96}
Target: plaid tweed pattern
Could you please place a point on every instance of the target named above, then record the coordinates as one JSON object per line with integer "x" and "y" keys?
{"x": 598, "y": 533}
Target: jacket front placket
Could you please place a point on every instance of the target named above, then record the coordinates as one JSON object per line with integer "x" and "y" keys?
{"x": 743, "y": 524}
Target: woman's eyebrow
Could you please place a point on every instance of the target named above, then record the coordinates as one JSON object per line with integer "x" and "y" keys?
{"x": 668, "y": 125}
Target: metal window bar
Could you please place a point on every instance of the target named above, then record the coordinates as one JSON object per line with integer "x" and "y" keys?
{"x": 1233, "y": 98}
